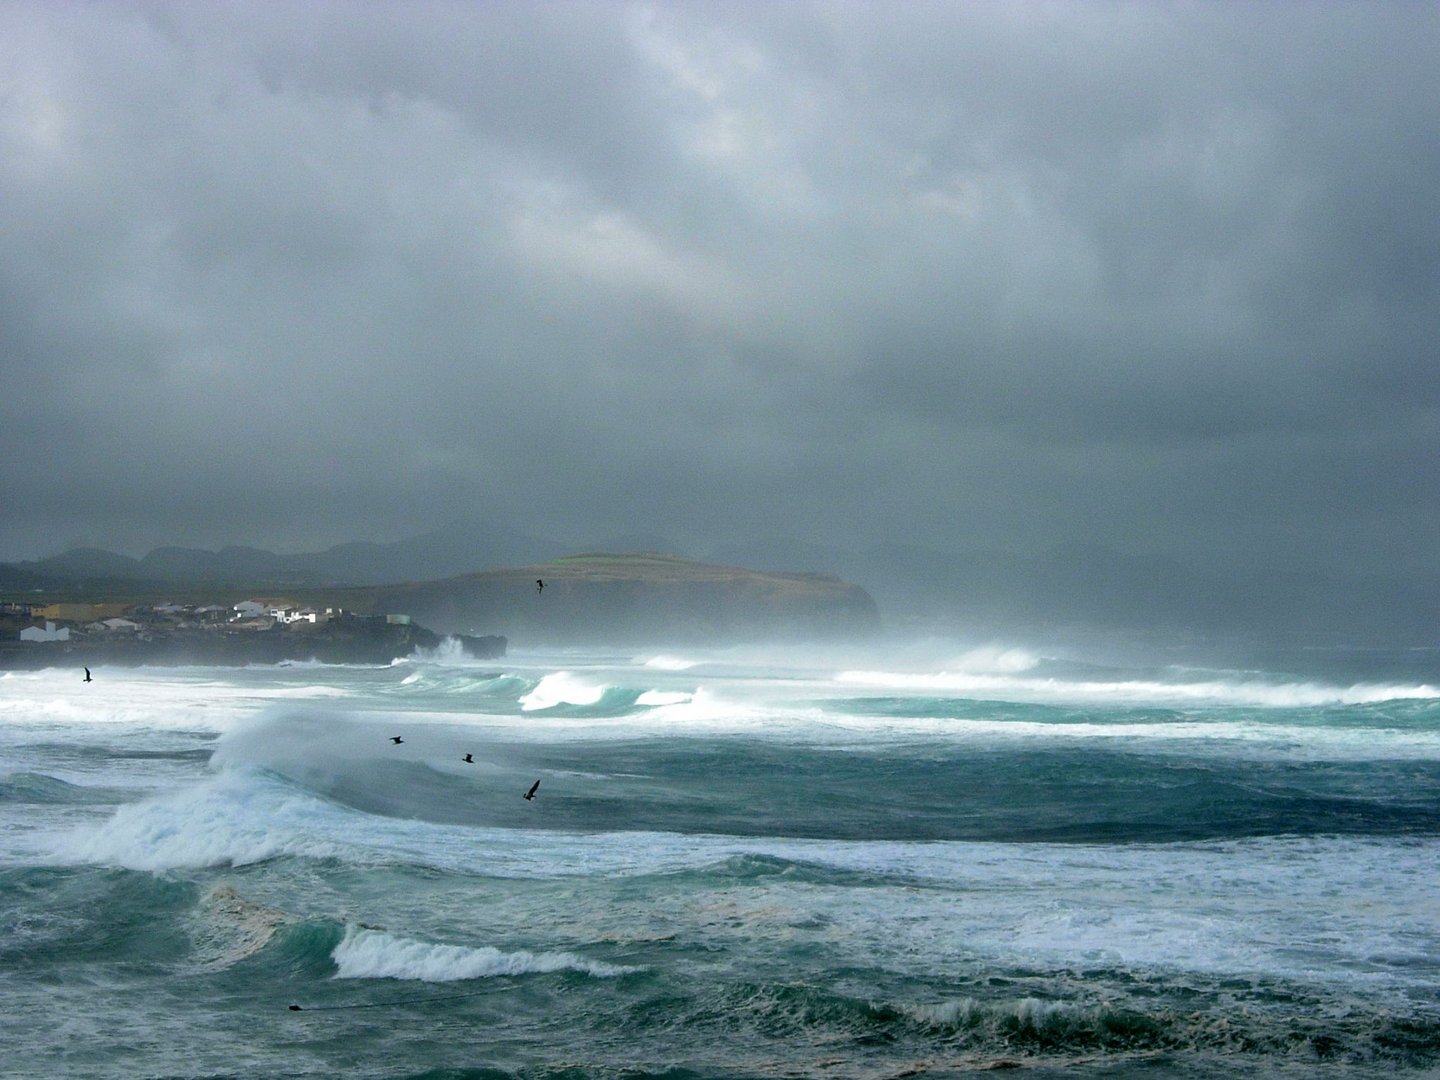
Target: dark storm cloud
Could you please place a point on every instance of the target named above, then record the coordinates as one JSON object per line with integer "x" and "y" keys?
{"x": 1159, "y": 276}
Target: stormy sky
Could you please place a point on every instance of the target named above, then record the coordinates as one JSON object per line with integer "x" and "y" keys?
{"x": 1162, "y": 277}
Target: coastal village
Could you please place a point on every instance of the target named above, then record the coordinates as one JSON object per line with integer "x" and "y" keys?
{"x": 251, "y": 631}
{"x": 75, "y": 621}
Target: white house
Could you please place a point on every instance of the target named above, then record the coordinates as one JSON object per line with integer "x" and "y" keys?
{"x": 120, "y": 626}
{"x": 48, "y": 632}
{"x": 249, "y": 609}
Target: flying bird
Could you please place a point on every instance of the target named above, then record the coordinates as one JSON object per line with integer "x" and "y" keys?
{"x": 469, "y": 760}
{"x": 396, "y": 739}
{"x": 87, "y": 675}
{"x": 539, "y": 585}
{"x": 531, "y": 793}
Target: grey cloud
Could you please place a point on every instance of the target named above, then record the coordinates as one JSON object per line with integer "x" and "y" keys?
{"x": 1159, "y": 276}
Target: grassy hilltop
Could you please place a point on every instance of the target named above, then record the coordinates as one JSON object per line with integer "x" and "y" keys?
{"x": 602, "y": 598}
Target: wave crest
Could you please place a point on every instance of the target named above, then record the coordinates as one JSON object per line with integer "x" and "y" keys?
{"x": 374, "y": 954}
{"x": 235, "y": 819}
{"x": 561, "y": 688}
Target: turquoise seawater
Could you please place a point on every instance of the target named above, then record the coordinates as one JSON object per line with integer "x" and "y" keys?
{"x": 762, "y": 865}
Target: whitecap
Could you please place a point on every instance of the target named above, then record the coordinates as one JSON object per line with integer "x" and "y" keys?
{"x": 1139, "y": 691}
{"x": 561, "y": 688}
{"x": 374, "y": 954}
{"x": 237, "y": 818}
{"x": 670, "y": 663}
{"x": 663, "y": 697}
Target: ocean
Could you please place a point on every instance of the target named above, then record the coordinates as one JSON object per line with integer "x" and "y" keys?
{"x": 924, "y": 861}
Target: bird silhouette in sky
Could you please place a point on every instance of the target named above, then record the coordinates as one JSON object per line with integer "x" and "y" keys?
{"x": 531, "y": 793}
{"x": 469, "y": 760}
{"x": 539, "y": 585}
{"x": 87, "y": 675}
{"x": 396, "y": 739}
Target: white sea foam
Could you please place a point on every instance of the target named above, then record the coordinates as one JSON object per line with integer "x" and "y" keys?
{"x": 995, "y": 659}
{"x": 1029, "y": 1013}
{"x": 670, "y": 663}
{"x": 449, "y": 653}
{"x": 374, "y": 954}
{"x": 663, "y": 697}
{"x": 561, "y": 688}
{"x": 1356, "y": 911}
{"x": 228, "y": 927}
{"x": 144, "y": 698}
{"x": 234, "y": 819}
{"x": 1194, "y": 733}
{"x": 1140, "y": 691}
{"x": 710, "y": 711}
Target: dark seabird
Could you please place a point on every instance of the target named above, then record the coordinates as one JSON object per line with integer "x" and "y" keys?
{"x": 396, "y": 739}
{"x": 531, "y": 793}
{"x": 469, "y": 760}
{"x": 539, "y": 585}
{"x": 87, "y": 675}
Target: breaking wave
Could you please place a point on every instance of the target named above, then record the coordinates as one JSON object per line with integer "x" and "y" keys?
{"x": 374, "y": 954}
{"x": 238, "y": 818}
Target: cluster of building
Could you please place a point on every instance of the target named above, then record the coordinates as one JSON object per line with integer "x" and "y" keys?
{"x": 67, "y": 622}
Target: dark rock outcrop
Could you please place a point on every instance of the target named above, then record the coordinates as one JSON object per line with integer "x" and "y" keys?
{"x": 485, "y": 647}
{"x": 342, "y": 641}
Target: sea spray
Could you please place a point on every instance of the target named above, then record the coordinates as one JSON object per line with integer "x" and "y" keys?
{"x": 561, "y": 688}
{"x": 236, "y": 819}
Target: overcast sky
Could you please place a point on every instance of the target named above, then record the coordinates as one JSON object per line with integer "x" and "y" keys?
{"x": 1164, "y": 277}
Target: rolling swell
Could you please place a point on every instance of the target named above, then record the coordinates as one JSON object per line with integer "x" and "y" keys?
{"x": 937, "y": 790}
{"x": 38, "y": 788}
{"x": 305, "y": 800}
{"x": 89, "y": 915}
{"x": 755, "y": 788}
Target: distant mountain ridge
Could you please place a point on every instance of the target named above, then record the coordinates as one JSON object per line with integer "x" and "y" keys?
{"x": 461, "y": 547}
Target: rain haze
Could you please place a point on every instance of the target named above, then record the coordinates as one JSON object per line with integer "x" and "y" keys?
{"x": 1155, "y": 280}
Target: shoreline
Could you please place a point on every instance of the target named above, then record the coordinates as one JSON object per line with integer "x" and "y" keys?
{"x": 340, "y": 642}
